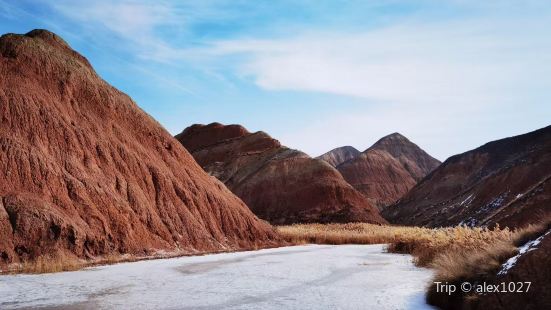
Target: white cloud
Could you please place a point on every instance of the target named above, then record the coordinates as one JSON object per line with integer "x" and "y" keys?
{"x": 413, "y": 63}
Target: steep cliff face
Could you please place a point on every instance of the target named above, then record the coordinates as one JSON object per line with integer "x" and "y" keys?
{"x": 339, "y": 155}
{"x": 388, "y": 169}
{"x": 506, "y": 181}
{"x": 279, "y": 184}
{"x": 85, "y": 172}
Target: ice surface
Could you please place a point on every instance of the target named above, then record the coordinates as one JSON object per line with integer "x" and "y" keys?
{"x": 301, "y": 277}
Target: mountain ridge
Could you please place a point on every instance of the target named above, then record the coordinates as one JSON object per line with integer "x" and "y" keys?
{"x": 279, "y": 184}
{"x": 506, "y": 181}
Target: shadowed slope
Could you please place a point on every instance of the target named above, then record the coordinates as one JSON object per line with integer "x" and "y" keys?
{"x": 507, "y": 181}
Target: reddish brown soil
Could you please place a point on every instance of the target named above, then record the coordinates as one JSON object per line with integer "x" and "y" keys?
{"x": 388, "y": 169}
{"x": 506, "y": 181}
{"x": 377, "y": 175}
{"x": 85, "y": 172}
{"x": 279, "y": 184}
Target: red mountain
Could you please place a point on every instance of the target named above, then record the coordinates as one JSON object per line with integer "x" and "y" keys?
{"x": 85, "y": 172}
{"x": 414, "y": 160}
{"x": 388, "y": 169}
{"x": 279, "y": 184}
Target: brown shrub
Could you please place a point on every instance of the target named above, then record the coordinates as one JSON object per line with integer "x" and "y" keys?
{"x": 453, "y": 252}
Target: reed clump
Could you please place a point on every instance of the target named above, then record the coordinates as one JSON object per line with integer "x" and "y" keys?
{"x": 454, "y": 252}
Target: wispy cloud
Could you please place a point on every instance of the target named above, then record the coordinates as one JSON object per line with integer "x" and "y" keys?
{"x": 133, "y": 22}
{"x": 468, "y": 61}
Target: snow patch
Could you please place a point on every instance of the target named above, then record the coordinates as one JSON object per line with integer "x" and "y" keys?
{"x": 467, "y": 200}
{"x": 494, "y": 204}
{"x": 470, "y": 222}
{"x": 527, "y": 247}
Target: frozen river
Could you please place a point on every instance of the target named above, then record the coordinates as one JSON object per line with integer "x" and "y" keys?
{"x": 301, "y": 277}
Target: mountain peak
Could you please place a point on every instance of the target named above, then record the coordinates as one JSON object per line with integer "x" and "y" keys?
{"x": 339, "y": 155}
{"x": 199, "y": 136}
{"x": 48, "y": 37}
{"x": 51, "y": 49}
{"x": 415, "y": 159}
{"x": 347, "y": 148}
{"x": 394, "y": 143}
{"x": 392, "y": 138}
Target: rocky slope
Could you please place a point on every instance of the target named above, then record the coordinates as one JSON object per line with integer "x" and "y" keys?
{"x": 339, "y": 155}
{"x": 388, "y": 169}
{"x": 85, "y": 172}
{"x": 279, "y": 184}
{"x": 506, "y": 181}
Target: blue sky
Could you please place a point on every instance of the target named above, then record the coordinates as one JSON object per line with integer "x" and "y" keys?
{"x": 449, "y": 75}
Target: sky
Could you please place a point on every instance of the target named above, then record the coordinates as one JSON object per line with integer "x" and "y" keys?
{"x": 449, "y": 75}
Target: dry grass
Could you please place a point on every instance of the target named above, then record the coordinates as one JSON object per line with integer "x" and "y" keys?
{"x": 59, "y": 262}
{"x": 454, "y": 253}
{"x": 66, "y": 261}
{"x": 50, "y": 263}
{"x": 62, "y": 261}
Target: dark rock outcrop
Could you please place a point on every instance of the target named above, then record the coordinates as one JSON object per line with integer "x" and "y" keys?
{"x": 279, "y": 184}
{"x": 85, "y": 172}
